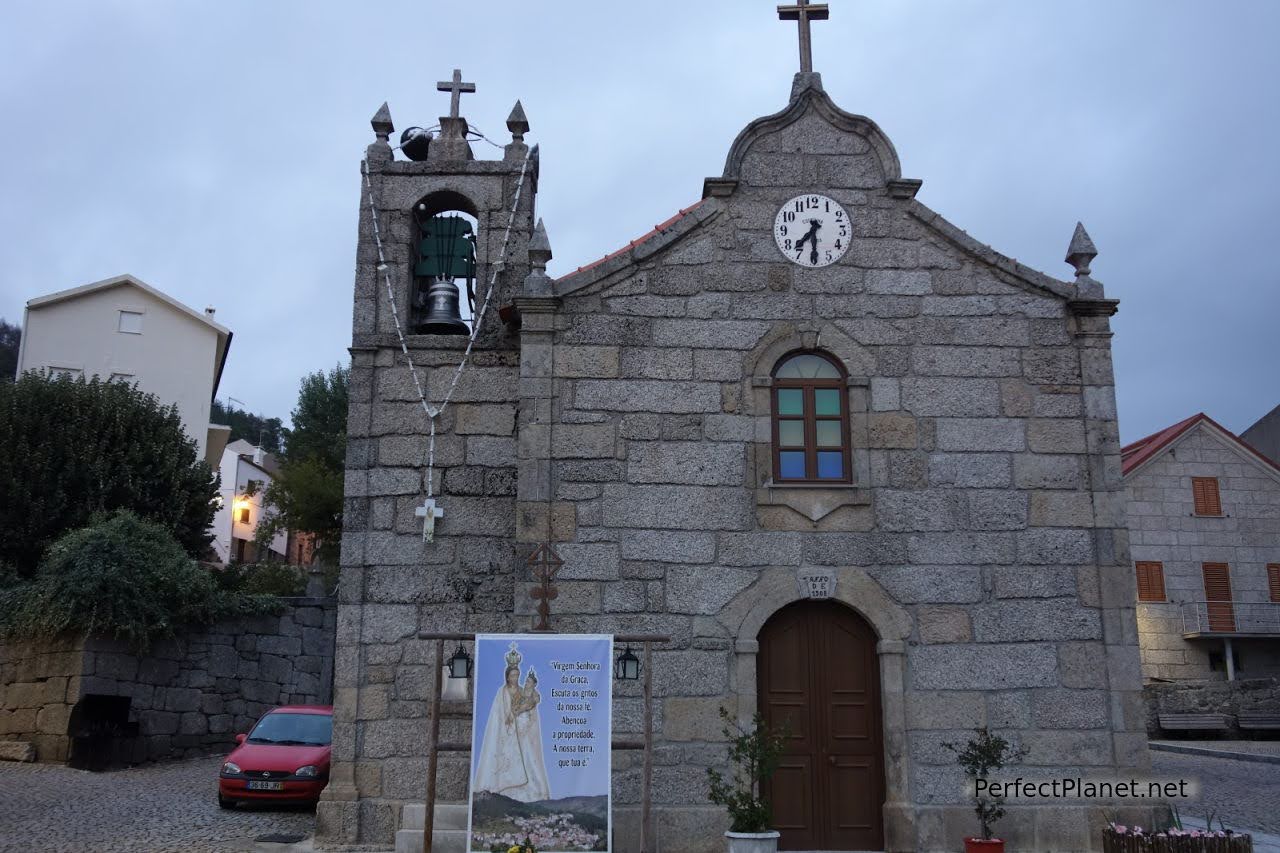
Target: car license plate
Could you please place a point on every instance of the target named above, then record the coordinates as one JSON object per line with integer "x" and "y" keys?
{"x": 255, "y": 785}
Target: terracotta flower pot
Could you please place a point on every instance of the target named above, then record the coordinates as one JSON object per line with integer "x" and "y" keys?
{"x": 753, "y": 842}
{"x": 984, "y": 845}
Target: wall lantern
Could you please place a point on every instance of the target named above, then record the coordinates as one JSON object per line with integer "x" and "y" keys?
{"x": 627, "y": 667}
{"x": 460, "y": 664}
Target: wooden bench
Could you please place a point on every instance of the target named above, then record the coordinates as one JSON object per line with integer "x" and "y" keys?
{"x": 1258, "y": 720}
{"x": 1195, "y": 722}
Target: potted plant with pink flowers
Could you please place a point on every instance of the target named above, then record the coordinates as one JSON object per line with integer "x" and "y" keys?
{"x": 1120, "y": 838}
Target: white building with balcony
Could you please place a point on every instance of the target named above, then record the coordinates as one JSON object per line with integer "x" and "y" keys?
{"x": 1204, "y": 522}
{"x": 123, "y": 328}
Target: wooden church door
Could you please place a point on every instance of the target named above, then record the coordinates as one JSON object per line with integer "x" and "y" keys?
{"x": 818, "y": 671}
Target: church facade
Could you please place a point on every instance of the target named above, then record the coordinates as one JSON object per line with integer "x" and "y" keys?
{"x": 862, "y": 470}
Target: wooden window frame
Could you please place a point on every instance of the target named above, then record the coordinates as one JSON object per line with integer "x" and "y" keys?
{"x": 1273, "y": 581}
{"x": 810, "y": 418}
{"x": 1206, "y": 496}
{"x": 1150, "y": 576}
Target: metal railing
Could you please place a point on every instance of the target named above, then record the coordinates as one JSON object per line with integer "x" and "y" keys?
{"x": 1230, "y": 617}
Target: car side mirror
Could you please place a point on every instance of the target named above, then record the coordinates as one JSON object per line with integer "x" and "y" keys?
{"x": 240, "y": 738}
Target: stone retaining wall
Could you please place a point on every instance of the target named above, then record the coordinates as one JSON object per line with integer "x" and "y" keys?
{"x": 188, "y": 696}
{"x": 1210, "y": 697}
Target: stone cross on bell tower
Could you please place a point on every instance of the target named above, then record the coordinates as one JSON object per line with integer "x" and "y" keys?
{"x": 804, "y": 12}
{"x": 452, "y": 144}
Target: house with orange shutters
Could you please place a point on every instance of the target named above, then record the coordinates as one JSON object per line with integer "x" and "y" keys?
{"x": 1204, "y": 522}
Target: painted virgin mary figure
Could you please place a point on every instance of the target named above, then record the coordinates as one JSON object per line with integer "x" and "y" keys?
{"x": 511, "y": 762}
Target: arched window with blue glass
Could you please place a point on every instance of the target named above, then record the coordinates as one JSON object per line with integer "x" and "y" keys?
{"x": 810, "y": 420}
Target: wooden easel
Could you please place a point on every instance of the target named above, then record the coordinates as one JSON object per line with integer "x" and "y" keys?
{"x": 435, "y": 746}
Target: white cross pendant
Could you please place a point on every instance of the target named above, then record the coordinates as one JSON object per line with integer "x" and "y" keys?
{"x": 429, "y": 512}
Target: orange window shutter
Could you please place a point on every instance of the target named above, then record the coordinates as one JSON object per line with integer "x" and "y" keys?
{"x": 1205, "y": 492}
{"x": 1273, "y": 580}
{"x": 1150, "y": 581}
{"x": 1217, "y": 593}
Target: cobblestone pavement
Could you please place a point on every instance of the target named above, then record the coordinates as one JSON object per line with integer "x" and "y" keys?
{"x": 1245, "y": 794}
{"x": 160, "y": 807}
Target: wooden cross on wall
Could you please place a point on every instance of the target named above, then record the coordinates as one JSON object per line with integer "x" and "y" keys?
{"x": 546, "y": 564}
{"x": 456, "y": 87}
{"x": 804, "y": 12}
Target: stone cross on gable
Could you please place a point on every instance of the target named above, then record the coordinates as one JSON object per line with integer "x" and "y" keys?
{"x": 804, "y": 12}
{"x": 456, "y": 87}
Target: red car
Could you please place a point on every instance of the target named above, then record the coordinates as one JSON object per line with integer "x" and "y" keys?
{"x": 285, "y": 759}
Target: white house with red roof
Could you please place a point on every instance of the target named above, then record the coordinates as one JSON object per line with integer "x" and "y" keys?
{"x": 1204, "y": 521}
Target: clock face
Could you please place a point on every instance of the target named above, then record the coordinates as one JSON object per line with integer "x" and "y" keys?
{"x": 812, "y": 230}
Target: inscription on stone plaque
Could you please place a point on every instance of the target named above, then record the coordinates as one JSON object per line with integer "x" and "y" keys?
{"x": 816, "y": 583}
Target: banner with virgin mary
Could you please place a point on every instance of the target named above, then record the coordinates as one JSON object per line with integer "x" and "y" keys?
{"x": 540, "y": 743}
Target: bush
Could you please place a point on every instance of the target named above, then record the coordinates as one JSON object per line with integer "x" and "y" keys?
{"x": 981, "y": 754}
{"x": 279, "y": 579}
{"x": 71, "y": 448}
{"x": 121, "y": 577}
{"x": 754, "y": 753}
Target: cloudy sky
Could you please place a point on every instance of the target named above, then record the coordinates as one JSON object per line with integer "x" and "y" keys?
{"x": 212, "y": 150}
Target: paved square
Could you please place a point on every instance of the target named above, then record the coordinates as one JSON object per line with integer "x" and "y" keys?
{"x": 159, "y": 807}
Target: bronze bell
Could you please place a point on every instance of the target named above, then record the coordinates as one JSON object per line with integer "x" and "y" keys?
{"x": 444, "y": 315}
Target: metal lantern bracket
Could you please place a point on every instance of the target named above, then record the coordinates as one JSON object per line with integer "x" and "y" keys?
{"x": 460, "y": 663}
{"x": 435, "y": 746}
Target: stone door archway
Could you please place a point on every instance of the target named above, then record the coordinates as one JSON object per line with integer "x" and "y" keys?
{"x": 818, "y": 672}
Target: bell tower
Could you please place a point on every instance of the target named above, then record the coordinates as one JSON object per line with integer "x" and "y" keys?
{"x": 442, "y": 252}
{"x": 450, "y": 230}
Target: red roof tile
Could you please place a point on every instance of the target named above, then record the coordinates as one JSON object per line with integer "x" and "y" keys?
{"x": 657, "y": 229}
{"x": 1134, "y": 454}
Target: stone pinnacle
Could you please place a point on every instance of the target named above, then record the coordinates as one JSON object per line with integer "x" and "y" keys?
{"x": 517, "y": 123}
{"x": 1081, "y": 251}
{"x": 539, "y": 245}
{"x": 381, "y": 121}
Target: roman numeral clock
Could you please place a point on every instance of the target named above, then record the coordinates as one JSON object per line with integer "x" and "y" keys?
{"x": 812, "y": 230}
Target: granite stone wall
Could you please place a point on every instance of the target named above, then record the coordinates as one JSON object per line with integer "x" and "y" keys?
{"x": 39, "y": 682}
{"x": 187, "y": 696}
{"x": 627, "y": 420}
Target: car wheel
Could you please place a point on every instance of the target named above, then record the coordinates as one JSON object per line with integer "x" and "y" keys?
{"x": 223, "y": 802}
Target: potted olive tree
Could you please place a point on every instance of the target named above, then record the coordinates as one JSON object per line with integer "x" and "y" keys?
{"x": 983, "y": 753}
{"x": 754, "y": 753}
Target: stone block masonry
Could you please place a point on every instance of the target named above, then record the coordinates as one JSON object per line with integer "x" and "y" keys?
{"x": 979, "y": 543}
{"x": 188, "y": 696}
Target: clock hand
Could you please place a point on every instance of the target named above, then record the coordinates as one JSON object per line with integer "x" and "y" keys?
{"x": 813, "y": 243}
{"x": 811, "y": 235}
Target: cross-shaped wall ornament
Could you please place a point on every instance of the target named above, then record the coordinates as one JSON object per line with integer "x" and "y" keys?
{"x": 429, "y": 512}
{"x": 546, "y": 564}
{"x": 804, "y": 12}
{"x": 456, "y": 87}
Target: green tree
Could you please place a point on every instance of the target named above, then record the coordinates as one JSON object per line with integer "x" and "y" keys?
{"x": 120, "y": 577}
{"x": 306, "y": 496}
{"x": 10, "y": 340}
{"x": 320, "y": 420}
{"x": 71, "y": 448}
{"x": 258, "y": 430}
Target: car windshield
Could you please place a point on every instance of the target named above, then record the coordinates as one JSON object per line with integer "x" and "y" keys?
{"x": 308, "y": 729}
